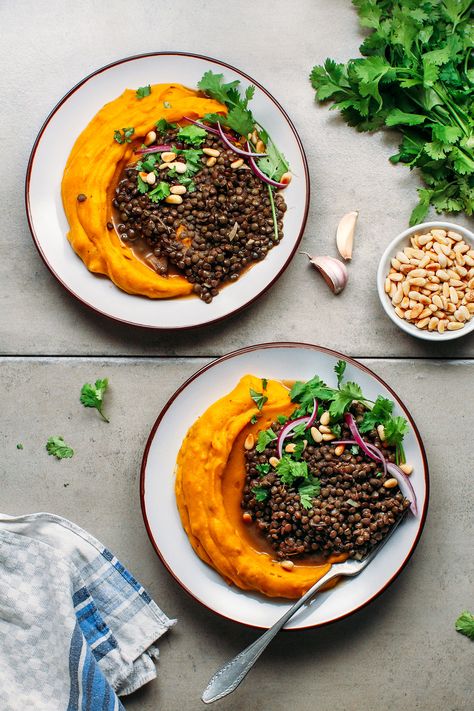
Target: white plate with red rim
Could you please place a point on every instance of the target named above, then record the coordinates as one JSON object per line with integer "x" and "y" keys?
{"x": 280, "y": 361}
{"x": 48, "y": 222}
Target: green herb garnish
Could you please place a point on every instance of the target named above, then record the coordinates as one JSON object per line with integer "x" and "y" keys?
{"x": 260, "y": 493}
{"x": 124, "y": 135}
{"x": 19, "y": 445}
{"x": 93, "y": 395}
{"x": 259, "y": 398}
{"x": 340, "y": 369}
{"x": 159, "y": 192}
{"x": 264, "y": 383}
{"x": 142, "y": 186}
{"x": 465, "y": 624}
{"x": 57, "y": 447}
{"x": 343, "y": 399}
{"x": 395, "y": 429}
{"x": 193, "y": 135}
{"x": 262, "y": 469}
{"x": 355, "y": 450}
{"x": 253, "y": 420}
{"x": 264, "y": 439}
{"x": 282, "y": 419}
{"x": 308, "y": 491}
{"x": 289, "y": 471}
{"x": 162, "y": 125}
{"x": 380, "y": 413}
{"x": 143, "y": 91}
{"x": 417, "y": 75}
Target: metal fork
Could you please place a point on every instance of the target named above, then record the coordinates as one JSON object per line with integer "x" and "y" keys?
{"x": 228, "y": 677}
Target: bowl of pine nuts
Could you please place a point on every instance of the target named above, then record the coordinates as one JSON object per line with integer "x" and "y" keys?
{"x": 425, "y": 281}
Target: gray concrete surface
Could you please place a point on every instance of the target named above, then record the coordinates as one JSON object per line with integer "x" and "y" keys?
{"x": 399, "y": 653}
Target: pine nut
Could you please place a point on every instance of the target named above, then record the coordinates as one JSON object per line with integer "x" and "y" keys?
{"x": 390, "y": 483}
{"x": 465, "y": 312}
{"x": 424, "y": 261}
{"x": 387, "y": 285}
{"x": 247, "y": 517}
{"x": 324, "y": 429}
{"x": 211, "y": 152}
{"x": 400, "y": 312}
{"x": 260, "y": 147}
{"x": 455, "y": 236}
{"x": 444, "y": 276}
{"x": 438, "y": 233}
{"x": 150, "y": 179}
{"x": 168, "y": 157}
{"x": 407, "y": 268}
{"x": 406, "y": 468}
{"x": 459, "y": 316}
{"x": 426, "y": 312}
{"x": 461, "y": 247}
{"x": 249, "y": 441}
{"x": 442, "y": 325}
{"x": 453, "y": 295}
{"x": 395, "y": 277}
{"x": 287, "y": 564}
{"x": 433, "y": 324}
{"x": 211, "y": 161}
{"x": 416, "y": 311}
{"x": 174, "y": 199}
{"x": 406, "y": 288}
{"x": 395, "y": 264}
{"x": 325, "y": 418}
{"x": 273, "y": 461}
{"x": 443, "y": 260}
{"x": 398, "y": 296}
{"x": 402, "y": 258}
{"x": 437, "y": 301}
{"x": 340, "y": 449}
{"x": 418, "y": 273}
{"x": 328, "y": 437}
{"x": 424, "y": 239}
{"x": 179, "y": 167}
{"x": 455, "y": 326}
{"x": 381, "y": 432}
{"x": 178, "y": 189}
{"x": 417, "y": 281}
{"x": 316, "y": 435}
{"x": 406, "y": 302}
{"x": 290, "y": 448}
{"x": 469, "y": 261}
{"x": 423, "y": 323}
{"x": 237, "y": 163}
{"x": 445, "y": 290}
{"x": 150, "y": 138}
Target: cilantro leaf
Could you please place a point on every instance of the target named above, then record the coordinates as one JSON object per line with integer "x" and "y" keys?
{"x": 260, "y": 493}
{"x": 344, "y": 398}
{"x": 274, "y": 164}
{"x": 395, "y": 430}
{"x": 159, "y": 192}
{"x": 213, "y": 85}
{"x": 314, "y": 389}
{"x": 124, "y": 135}
{"x": 162, "y": 126}
{"x": 282, "y": 419}
{"x": 264, "y": 439}
{"x": 142, "y": 186}
{"x": 253, "y": 419}
{"x": 465, "y": 624}
{"x": 240, "y": 120}
{"x": 57, "y": 447}
{"x": 193, "y": 135}
{"x": 92, "y": 395}
{"x": 308, "y": 491}
{"x": 143, "y": 91}
{"x": 289, "y": 470}
{"x": 258, "y": 398}
{"x": 340, "y": 369}
{"x": 262, "y": 469}
{"x": 378, "y": 415}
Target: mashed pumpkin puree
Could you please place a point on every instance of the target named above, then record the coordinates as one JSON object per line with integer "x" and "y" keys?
{"x": 209, "y": 481}
{"x": 93, "y": 168}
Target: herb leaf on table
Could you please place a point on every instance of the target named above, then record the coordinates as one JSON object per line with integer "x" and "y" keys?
{"x": 465, "y": 624}
{"x": 93, "y": 396}
{"x": 416, "y": 75}
{"x": 57, "y": 447}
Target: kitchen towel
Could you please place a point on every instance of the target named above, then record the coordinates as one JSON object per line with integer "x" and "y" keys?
{"x": 76, "y": 629}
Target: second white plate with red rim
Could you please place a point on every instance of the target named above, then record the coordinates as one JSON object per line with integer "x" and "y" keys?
{"x": 280, "y": 361}
{"x": 48, "y": 222}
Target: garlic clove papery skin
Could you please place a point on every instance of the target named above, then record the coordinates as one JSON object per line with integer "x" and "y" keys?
{"x": 333, "y": 271}
{"x": 345, "y": 234}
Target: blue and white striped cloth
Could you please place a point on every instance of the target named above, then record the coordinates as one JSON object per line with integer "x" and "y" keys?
{"x": 76, "y": 629}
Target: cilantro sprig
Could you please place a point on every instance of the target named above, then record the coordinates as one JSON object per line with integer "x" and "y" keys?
{"x": 143, "y": 91}
{"x": 416, "y": 75}
{"x": 57, "y": 447}
{"x": 264, "y": 439}
{"x": 465, "y": 624}
{"x": 93, "y": 396}
{"x": 259, "y": 398}
{"x": 124, "y": 135}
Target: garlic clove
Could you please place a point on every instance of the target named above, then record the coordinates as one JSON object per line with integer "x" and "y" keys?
{"x": 345, "y": 234}
{"x": 332, "y": 270}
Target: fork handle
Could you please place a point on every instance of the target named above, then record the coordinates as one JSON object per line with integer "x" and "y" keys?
{"x": 228, "y": 677}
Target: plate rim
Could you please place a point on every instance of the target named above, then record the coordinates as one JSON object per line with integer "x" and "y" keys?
{"x": 264, "y": 346}
{"x": 63, "y": 100}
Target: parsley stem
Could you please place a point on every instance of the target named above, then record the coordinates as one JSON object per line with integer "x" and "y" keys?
{"x": 104, "y": 417}
{"x": 272, "y": 203}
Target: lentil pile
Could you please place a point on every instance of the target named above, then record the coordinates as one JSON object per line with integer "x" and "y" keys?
{"x": 209, "y": 231}
{"x": 352, "y": 512}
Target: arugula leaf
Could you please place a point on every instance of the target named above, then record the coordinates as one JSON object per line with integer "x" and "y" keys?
{"x": 343, "y": 399}
{"x": 340, "y": 369}
{"x": 259, "y": 398}
{"x": 93, "y": 395}
{"x": 192, "y": 134}
{"x": 260, "y": 493}
{"x": 143, "y": 91}
{"x": 159, "y": 192}
{"x": 308, "y": 491}
{"x": 378, "y": 415}
{"x": 262, "y": 469}
{"x": 264, "y": 439}
{"x": 124, "y": 135}
{"x": 465, "y": 624}
{"x": 289, "y": 470}
{"x": 57, "y": 447}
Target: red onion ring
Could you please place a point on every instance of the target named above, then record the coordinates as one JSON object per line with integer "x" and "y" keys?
{"x": 233, "y": 147}
{"x": 285, "y": 431}
{"x": 256, "y": 171}
{"x": 405, "y": 486}
{"x": 153, "y": 149}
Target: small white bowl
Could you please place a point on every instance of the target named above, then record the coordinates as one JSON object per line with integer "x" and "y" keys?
{"x": 398, "y": 244}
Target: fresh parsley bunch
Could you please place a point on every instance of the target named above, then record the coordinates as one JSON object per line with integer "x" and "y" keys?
{"x": 417, "y": 76}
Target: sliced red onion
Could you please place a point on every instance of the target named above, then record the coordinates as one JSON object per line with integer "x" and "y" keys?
{"x": 256, "y": 171}
{"x": 202, "y": 125}
{"x": 233, "y": 147}
{"x": 290, "y": 426}
{"x": 405, "y": 486}
{"x": 351, "y": 423}
{"x": 153, "y": 149}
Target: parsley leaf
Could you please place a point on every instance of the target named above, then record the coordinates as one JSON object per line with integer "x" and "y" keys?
{"x": 258, "y": 398}
{"x": 92, "y": 396}
{"x": 159, "y": 192}
{"x": 289, "y": 471}
{"x": 264, "y": 383}
{"x": 264, "y": 438}
{"x": 57, "y": 447}
{"x": 308, "y": 491}
{"x": 163, "y": 126}
{"x": 395, "y": 430}
{"x": 340, "y": 369}
{"x": 378, "y": 415}
{"x": 465, "y": 624}
{"x": 142, "y": 186}
{"x": 344, "y": 398}
{"x": 143, "y": 91}
{"x": 262, "y": 469}
{"x": 260, "y": 493}
{"x": 193, "y": 135}
{"x": 305, "y": 393}
{"x": 253, "y": 419}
